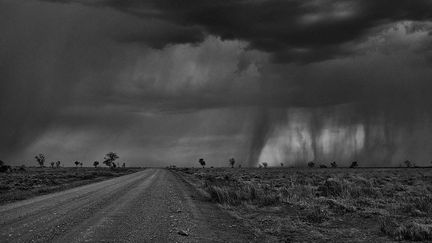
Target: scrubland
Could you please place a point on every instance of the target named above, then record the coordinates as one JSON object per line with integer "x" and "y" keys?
{"x": 323, "y": 205}
{"x": 25, "y": 183}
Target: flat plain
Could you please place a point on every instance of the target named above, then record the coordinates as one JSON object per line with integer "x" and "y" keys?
{"x": 151, "y": 205}
{"x": 323, "y": 205}
{"x": 23, "y": 183}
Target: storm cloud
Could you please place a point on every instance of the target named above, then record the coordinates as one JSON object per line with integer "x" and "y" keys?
{"x": 166, "y": 82}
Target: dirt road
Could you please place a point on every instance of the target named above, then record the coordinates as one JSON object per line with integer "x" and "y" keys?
{"x": 153, "y": 205}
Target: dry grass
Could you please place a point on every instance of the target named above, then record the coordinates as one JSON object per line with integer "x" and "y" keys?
{"x": 337, "y": 205}
{"x": 23, "y": 184}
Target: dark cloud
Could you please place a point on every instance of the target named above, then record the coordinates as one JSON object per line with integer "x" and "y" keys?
{"x": 160, "y": 35}
{"x": 168, "y": 81}
{"x": 294, "y": 31}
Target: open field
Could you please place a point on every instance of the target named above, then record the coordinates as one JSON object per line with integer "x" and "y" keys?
{"x": 152, "y": 205}
{"x": 33, "y": 181}
{"x": 332, "y": 205}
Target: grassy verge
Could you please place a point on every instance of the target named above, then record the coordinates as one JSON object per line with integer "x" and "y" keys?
{"x": 31, "y": 182}
{"x": 336, "y": 205}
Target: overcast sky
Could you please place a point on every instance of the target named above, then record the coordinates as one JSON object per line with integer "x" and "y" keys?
{"x": 168, "y": 82}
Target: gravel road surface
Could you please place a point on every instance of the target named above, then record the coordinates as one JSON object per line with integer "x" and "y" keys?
{"x": 153, "y": 205}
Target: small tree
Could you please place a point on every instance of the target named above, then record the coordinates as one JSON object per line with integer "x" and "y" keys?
{"x": 202, "y": 162}
{"x": 52, "y": 164}
{"x": 311, "y": 164}
{"x": 40, "y": 159}
{"x": 323, "y": 166}
{"x": 58, "y": 163}
{"x": 232, "y": 162}
{"x": 124, "y": 165}
{"x": 333, "y": 164}
{"x": 4, "y": 167}
{"x": 76, "y": 163}
{"x": 96, "y": 163}
{"x": 408, "y": 163}
{"x": 81, "y": 164}
{"x": 110, "y": 158}
{"x": 354, "y": 164}
{"x": 265, "y": 164}
{"x": 282, "y": 164}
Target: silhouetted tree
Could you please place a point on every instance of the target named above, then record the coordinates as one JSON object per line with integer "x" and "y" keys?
{"x": 4, "y": 167}
{"x": 333, "y": 164}
{"x": 124, "y": 165}
{"x": 40, "y": 159}
{"x": 202, "y": 162}
{"x": 407, "y": 163}
{"x": 110, "y": 158}
{"x": 96, "y": 163}
{"x": 76, "y": 163}
{"x": 354, "y": 164}
{"x": 311, "y": 164}
{"x": 323, "y": 166}
{"x": 58, "y": 163}
{"x": 52, "y": 164}
{"x": 265, "y": 164}
{"x": 282, "y": 164}
{"x": 232, "y": 162}
{"x": 81, "y": 164}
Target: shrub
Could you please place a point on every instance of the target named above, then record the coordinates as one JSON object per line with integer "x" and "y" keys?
{"x": 202, "y": 162}
{"x": 232, "y": 162}
{"x": 22, "y": 168}
{"x": 40, "y": 159}
{"x": 331, "y": 187}
{"x": 317, "y": 215}
{"x": 423, "y": 203}
{"x": 408, "y": 163}
{"x": 406, "y": 231}
{"x": 5, "y": 168}
{"x": 354, "y": 164}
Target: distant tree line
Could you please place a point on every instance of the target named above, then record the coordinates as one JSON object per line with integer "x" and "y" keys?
{"x": 109, "y": 160}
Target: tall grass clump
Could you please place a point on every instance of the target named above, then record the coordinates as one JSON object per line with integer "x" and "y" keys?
{"x": 413, "y": 231}
{"x": 235, "y": 193}
{"x": 353, "y": 188}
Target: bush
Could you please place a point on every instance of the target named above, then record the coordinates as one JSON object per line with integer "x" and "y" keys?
{"x": 354, "y": 164}
{"x": 423, "y": 203}
{"x": 317, "y": 215}
{"x": 331, "y": 187}
{"x": 5, "y": 168}
{"x": 234, "y": 193}
{"x": 406, "y": 231}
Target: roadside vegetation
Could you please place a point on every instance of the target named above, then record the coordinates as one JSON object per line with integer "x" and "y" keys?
{"x": 21, "y": 182}
{"x": 324, "y": 204}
